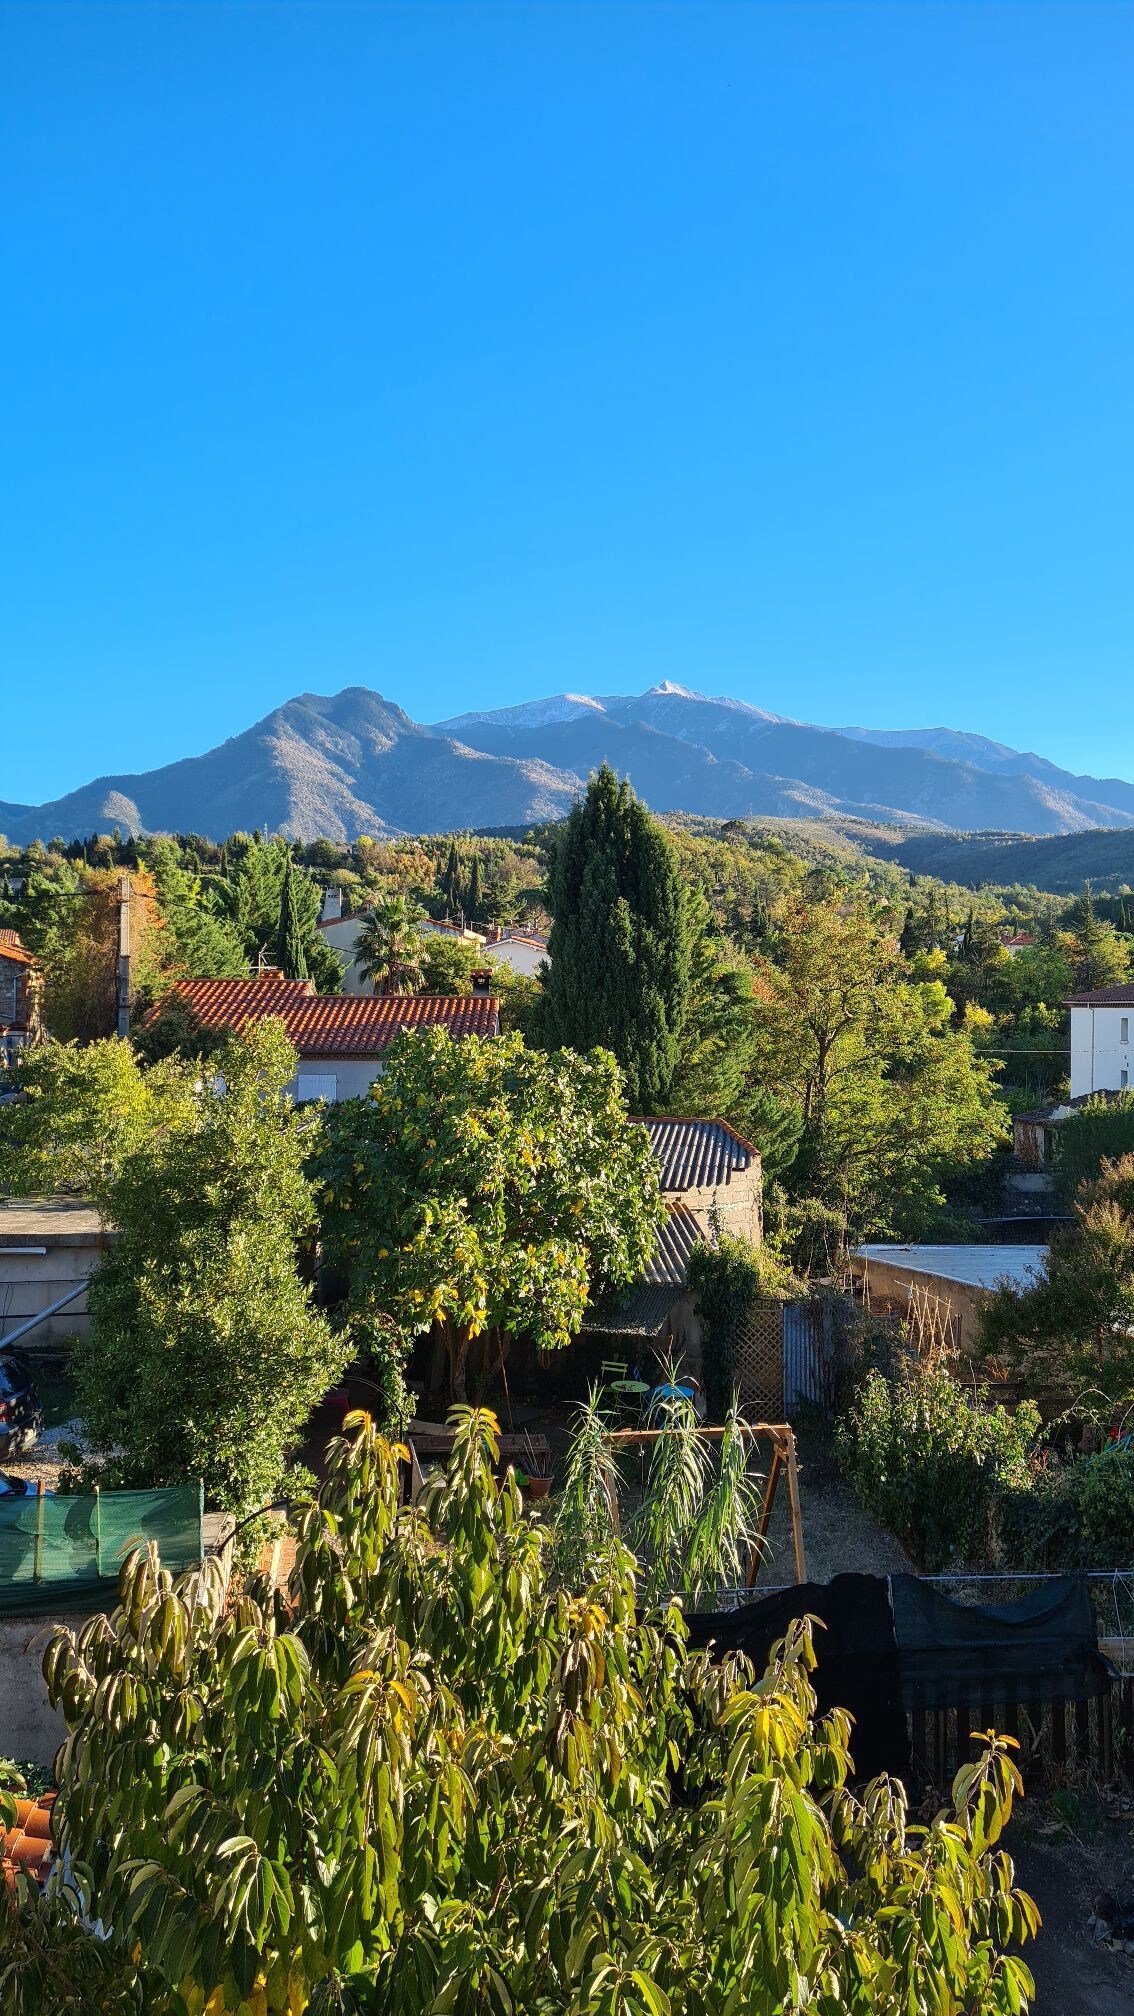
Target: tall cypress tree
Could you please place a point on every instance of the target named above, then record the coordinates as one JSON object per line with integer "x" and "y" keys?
{"x": 451, "y": 881}
{"x": 472, "y": 900}
{"x": 291, "y": 957}
{"x": 619, "y": 946}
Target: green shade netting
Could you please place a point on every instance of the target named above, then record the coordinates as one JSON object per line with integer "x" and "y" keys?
{"x": 60, "y": 1552}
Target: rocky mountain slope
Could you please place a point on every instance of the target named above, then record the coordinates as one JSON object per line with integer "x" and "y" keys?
{"x": 355, "y": 763}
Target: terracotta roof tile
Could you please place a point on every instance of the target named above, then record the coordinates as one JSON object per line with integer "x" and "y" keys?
{"x": 334, "y": 1025}
{"x": 12, "y": 947}
{"x": 26, "y": 1848}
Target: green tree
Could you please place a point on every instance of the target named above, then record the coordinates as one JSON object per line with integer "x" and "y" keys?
{"x": 448, "y": 964}
{"x": 251, "y": 895}
{"x": 291, "y": 957}
{"x": 472, "y": 895}
{"x": 206, "y": 1355}
{"x": 482, "y": 1189}
{"x": 429, "y": 1779}
{"x": 451, "y": 879}
{"x": 83, "y": 1111}
{"x": 198, "y": 941}
{"x": 892, "y": 1093}
{"x": 1099, "y": 957}
{"x": 717, "y": 1044}
{"x": 390, "y": 949}
{"x": 619, "y": 949}
{"x": 1073, "y": 1333}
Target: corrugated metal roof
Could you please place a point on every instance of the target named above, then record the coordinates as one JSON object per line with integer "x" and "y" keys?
{"x": 334, "y": 1025}
{"x": 676, "y": 1240}
{"x": 641, "y": 1312}
{"x": 697, "y": 1154}
{"x": 972, "y": 1266}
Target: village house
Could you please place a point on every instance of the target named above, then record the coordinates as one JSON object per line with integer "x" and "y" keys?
{"x": 340, "y": 1038}
{"x": 1101, "y": 1058}
{"x": 522, "y": 951}
{"x": 49, "y": 1248}
{"x": 19, "y": 995}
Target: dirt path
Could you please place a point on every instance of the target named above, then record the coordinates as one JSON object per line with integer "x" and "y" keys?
{"x": 1074, "y": 1976}
{"x": 839, "y": 1535}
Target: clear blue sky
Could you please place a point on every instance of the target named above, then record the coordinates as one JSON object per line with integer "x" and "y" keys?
{"x": 472, "y": 352}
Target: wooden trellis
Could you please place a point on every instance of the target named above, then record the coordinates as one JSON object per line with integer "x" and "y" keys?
{"x": 758, "y": 1359}
{"x": 784, "y": 1464}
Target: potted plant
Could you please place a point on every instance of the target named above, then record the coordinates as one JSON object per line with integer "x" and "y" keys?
{"x": 536, "y": 1476}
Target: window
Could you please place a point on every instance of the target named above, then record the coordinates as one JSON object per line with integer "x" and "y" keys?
{"x": 1123, "y": 1080}
{"x": 317, "y": 1085}
{"x": 1124, "y": 1029}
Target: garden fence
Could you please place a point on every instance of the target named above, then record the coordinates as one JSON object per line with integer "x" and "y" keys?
{"x": 59, "y": 1553}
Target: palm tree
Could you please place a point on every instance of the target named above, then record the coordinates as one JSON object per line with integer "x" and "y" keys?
{"x": 389, "y": 950}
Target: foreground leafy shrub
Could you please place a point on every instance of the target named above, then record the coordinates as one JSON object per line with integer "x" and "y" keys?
{"x": 425, "y": 1779}
{"x": 931, "y": 1462}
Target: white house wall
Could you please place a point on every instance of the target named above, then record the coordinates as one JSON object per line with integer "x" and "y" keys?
{"x": 1101, "y": 1058}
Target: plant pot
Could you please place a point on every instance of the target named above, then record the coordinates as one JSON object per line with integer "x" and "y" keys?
{"x": 538, "y": 1487}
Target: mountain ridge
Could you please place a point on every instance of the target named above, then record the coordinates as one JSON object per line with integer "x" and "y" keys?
{"x": 353, "y": 762}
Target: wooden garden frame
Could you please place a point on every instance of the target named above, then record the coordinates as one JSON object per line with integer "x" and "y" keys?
{"x": 784, "y": 1463}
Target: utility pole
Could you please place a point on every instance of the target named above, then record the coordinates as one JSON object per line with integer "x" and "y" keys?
{"x": 124, "y": 891}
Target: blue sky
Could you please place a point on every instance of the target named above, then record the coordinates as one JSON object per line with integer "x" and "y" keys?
{"x": 472, "y": 352}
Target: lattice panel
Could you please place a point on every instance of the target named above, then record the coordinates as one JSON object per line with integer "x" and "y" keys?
{"x": 758, "y": 1362}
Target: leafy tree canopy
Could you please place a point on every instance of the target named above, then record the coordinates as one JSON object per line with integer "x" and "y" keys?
{"x": 206, "y": 1356}
{"x": 1073, "y": 1333}
{"x": 485, "y": 1187}
{"x": 891, "y": 1091}
{"x": 83, "y": 1112}
{"x": 429, "y": 1779}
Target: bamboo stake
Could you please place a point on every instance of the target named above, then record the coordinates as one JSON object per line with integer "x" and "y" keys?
{"x": 796, "y": 1513}
{"x": 770, "y": 1488}
{"x": 37, "y": 1566}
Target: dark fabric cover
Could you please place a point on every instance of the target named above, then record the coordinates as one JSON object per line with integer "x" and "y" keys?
{"x": 857, "y": 1655}
{"x": 1042, "y": 1648}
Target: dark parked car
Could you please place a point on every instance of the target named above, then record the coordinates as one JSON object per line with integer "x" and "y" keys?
{"x": 18, "y": 1487}
{"x": 21, "y": 1415}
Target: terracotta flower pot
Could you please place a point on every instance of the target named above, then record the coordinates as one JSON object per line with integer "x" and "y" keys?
{"x": 538, "y": 1487}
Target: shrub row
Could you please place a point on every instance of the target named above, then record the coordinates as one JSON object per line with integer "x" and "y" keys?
{"x": 966, "y": 1485}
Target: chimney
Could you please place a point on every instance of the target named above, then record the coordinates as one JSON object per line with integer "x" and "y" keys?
{"x": 332, "y": 907}
{"x": 481, "y": 979}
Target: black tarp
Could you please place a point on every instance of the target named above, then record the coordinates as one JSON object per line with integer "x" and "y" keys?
{"x": 856, "y": 1652}
{"x": 1042, "y": 1648}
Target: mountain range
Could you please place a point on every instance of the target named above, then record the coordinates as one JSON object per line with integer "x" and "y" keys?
{"x": 355, "y": 763}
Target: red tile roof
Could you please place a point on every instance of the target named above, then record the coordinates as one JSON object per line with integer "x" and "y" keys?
{"x": 26, "y": 1849}
{"x": 12, "y": 948}
{"x": 334, "y": 1025}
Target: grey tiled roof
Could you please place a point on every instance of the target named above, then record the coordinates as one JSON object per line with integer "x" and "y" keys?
{"x": 697, "y": 1154}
